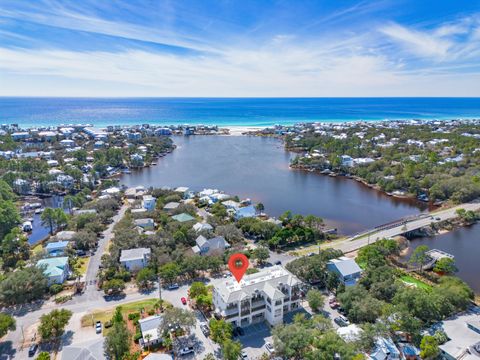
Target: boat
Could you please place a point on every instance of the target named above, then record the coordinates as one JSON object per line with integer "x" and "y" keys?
{"x": 127, "y": 171}
{"x": 27, "y": 226}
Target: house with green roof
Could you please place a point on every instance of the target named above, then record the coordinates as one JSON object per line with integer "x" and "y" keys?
{"x": 183, "y": 217}
{"x": 56, "y": 269}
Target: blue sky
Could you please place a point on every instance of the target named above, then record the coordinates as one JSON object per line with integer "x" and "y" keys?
{"x": 240, "y": 48}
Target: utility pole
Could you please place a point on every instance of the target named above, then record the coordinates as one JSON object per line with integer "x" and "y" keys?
{"x": 159, "y": 287}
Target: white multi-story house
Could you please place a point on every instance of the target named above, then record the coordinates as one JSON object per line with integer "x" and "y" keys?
{"x": 264, "y": 296}
{"x": 135, "y": 259}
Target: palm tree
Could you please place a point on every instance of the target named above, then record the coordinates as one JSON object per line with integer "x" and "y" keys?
{"x": 148, "y": 337}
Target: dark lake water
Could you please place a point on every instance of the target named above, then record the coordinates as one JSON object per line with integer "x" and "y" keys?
{"x": 40, "y": 232}
{"x": 257, "y": 168}
{"x": 464, "y": 244}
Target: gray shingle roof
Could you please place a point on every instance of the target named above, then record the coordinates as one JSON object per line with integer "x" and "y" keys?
{"x": 134, "y": 254}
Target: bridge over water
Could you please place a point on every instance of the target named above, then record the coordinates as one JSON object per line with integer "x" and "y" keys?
{"x": 400, "y": 227}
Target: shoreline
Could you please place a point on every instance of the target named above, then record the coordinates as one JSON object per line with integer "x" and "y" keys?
{"x": 238, "y": 127}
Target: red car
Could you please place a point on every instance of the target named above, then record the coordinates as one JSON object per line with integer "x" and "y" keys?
{"x": 184, "y": 301}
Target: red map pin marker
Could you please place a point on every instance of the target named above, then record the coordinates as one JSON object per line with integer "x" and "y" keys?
{"x": 238, "y": 265}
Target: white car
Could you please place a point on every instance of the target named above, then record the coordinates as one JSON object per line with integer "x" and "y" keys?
{"x": 244, "y": 355}
{"x": 269, "y": 348}
{"x": 98, "y": 327}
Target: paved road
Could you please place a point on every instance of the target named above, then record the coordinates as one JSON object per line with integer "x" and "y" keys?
{"x": 355, "y": 243}
{"x": 95, "y": 259}
{"x": 90, "y": 299}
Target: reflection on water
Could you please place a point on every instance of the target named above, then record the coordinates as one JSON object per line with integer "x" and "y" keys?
{"x": 40, "y": 232}
{"x": 258, "y": 168}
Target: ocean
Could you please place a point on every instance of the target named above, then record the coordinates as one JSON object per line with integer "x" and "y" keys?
{"x": 32, "y": 111}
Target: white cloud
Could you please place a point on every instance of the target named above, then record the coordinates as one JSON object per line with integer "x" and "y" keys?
{"x": 420, "y": 43}
{"x": 296, "y": 71}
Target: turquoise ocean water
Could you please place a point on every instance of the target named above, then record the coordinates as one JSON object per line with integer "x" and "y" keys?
{"x": 31, "y": 111}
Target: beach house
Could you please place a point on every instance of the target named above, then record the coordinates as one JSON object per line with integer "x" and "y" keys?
{"x": 135, "y": 259}
{"x": 347, "y": 270}
{"x": 149, "y": 202}
{"x": 56, "y": 269}
{"x": 149, "y": 327}
{"x": 216, "y": 245}
{"x": 57, "y": 248}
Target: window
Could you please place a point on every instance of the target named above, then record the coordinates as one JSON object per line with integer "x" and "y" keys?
{"x": 278, "y": 302}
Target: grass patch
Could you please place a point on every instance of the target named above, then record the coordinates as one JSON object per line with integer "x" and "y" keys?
{"x": 104, "y": 315}
{"x": 411, "y": 280}
{"x": 37, "y": 249}
{"x": 82, "y": 265}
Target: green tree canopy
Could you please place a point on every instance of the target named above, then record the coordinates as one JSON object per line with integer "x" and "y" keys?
{"x": 7, "y": 323}
{"x": 52, "y": 325}
{"x": 23, "y": 286}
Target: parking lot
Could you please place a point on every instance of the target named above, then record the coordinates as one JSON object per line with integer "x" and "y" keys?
{"x": 254, "y": 340}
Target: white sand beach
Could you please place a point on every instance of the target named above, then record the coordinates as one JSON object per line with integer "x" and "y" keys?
{"x": 238, "y": 130}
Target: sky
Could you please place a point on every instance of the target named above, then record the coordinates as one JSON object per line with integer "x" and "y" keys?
{"x": 227, "y": 48}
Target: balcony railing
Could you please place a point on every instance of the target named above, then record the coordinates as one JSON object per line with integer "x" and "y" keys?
{"x": 261, "y": 307}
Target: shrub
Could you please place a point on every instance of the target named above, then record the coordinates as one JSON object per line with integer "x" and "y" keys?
{"x": 137, "y": 336}
{"x": 55, "y": 289}
{"x": 134, "y": 316}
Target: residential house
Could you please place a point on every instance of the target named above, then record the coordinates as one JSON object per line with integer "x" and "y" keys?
{"x": 145, "y": 224}
{"x": 135, "y": 259}
{"x": 21, "y": 186}
{"x": 463, "y": 332}
{"x": 183, "y": 217}
{"x": 347, "y": 270}
{"x": 264, "y": 296}
{"x": 56, "y": 269}
{"x": 149, "y": 327}
{"x": 346, "y": 160}
{"x": 245, "y": 212}
{"x": 149, "y": 202}
{"x": 16, "y": 136}
{"x": 385, "y": 349}
{"x": 205, "y": 246}
{"x": 67, "y": 143}
{"x": 202, "y": 227}
{"x": 57, "y": 248}
{"x": 171, "y": 206}
{"x": 65, "y": 235}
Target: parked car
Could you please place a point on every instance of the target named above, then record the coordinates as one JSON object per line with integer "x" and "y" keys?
{"x": 173, "y": 286}
{"x": 98, "y": 327}
{"x": 183, "y": 300}
{"x": 341, "y": 321}
{"x": 278, "y": 262}
{"x": 205, "y": 330}
{"x": 269, "y": 348}
{"x": 186, "y": 350}
{"x": 243, "y": 355}
{"x": 32, "y": 350}
{"x": 334, "y": 305}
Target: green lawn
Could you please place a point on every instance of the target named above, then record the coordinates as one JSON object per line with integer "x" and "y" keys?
{"x": 411, "y": 280}
{"x": 104, "y": 315}
{"x": 37, "y": 249}
{"x": 82, "y": 265}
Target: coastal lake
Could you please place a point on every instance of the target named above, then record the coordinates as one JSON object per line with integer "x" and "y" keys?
{"x": 464, "y": 244}
{"x": 258, "y": 168}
